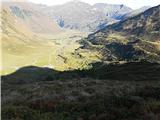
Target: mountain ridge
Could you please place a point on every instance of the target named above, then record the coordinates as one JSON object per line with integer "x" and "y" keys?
{"x": 135, "y": 37}
{"x": 85, "y": 16}
{"x": 29, "y": 14}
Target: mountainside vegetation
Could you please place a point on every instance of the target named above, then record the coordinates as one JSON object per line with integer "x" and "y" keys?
{"x": 54, "y": 67}
{"x": 133, "y": 39}
{"x": 127, "y": 91}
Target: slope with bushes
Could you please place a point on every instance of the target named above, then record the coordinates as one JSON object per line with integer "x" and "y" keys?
{"x": 135, "y": 38}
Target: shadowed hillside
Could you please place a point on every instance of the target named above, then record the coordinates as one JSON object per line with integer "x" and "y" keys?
{"x": 128, "y": 91}
{"x": 115, "y": 71}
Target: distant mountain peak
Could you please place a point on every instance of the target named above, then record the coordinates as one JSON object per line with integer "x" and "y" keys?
{"x": 83, "y": 16}
{"x": 75, "y": 1}
{"x": 121, "y": 6}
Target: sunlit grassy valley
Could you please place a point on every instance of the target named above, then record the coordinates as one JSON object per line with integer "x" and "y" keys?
{"x": 21, "y": 47}
{"x": 56, "y": 52}
{"x": 80, "y": 62}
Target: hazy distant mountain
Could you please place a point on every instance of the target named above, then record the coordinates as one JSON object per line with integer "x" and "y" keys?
{"x": 135, "y": 38}
{"x": 135, "y": 12}
{"x": 77, "y": 15}
{"x": 112, "y": 11}
{"x": 82, "y": 16}
{"x": 29, "y": 14}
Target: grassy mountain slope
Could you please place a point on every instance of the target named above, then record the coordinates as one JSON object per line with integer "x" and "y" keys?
{"x": 18, "y": 42}
{"x": 45, "y": 45}
{"x": 135, "y": 38}
{"x": 144, "y": 25}
{"x": 29, "y": 14}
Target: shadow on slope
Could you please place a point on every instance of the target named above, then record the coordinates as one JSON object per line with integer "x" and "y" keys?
{"x": 34, "y": 93}
{"x": 128, "y": 71}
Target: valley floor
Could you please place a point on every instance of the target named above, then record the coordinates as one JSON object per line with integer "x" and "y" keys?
{"x": 53, "y": 51}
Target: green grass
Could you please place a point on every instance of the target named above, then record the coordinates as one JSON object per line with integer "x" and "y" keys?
{"x": 46, "y": 51}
